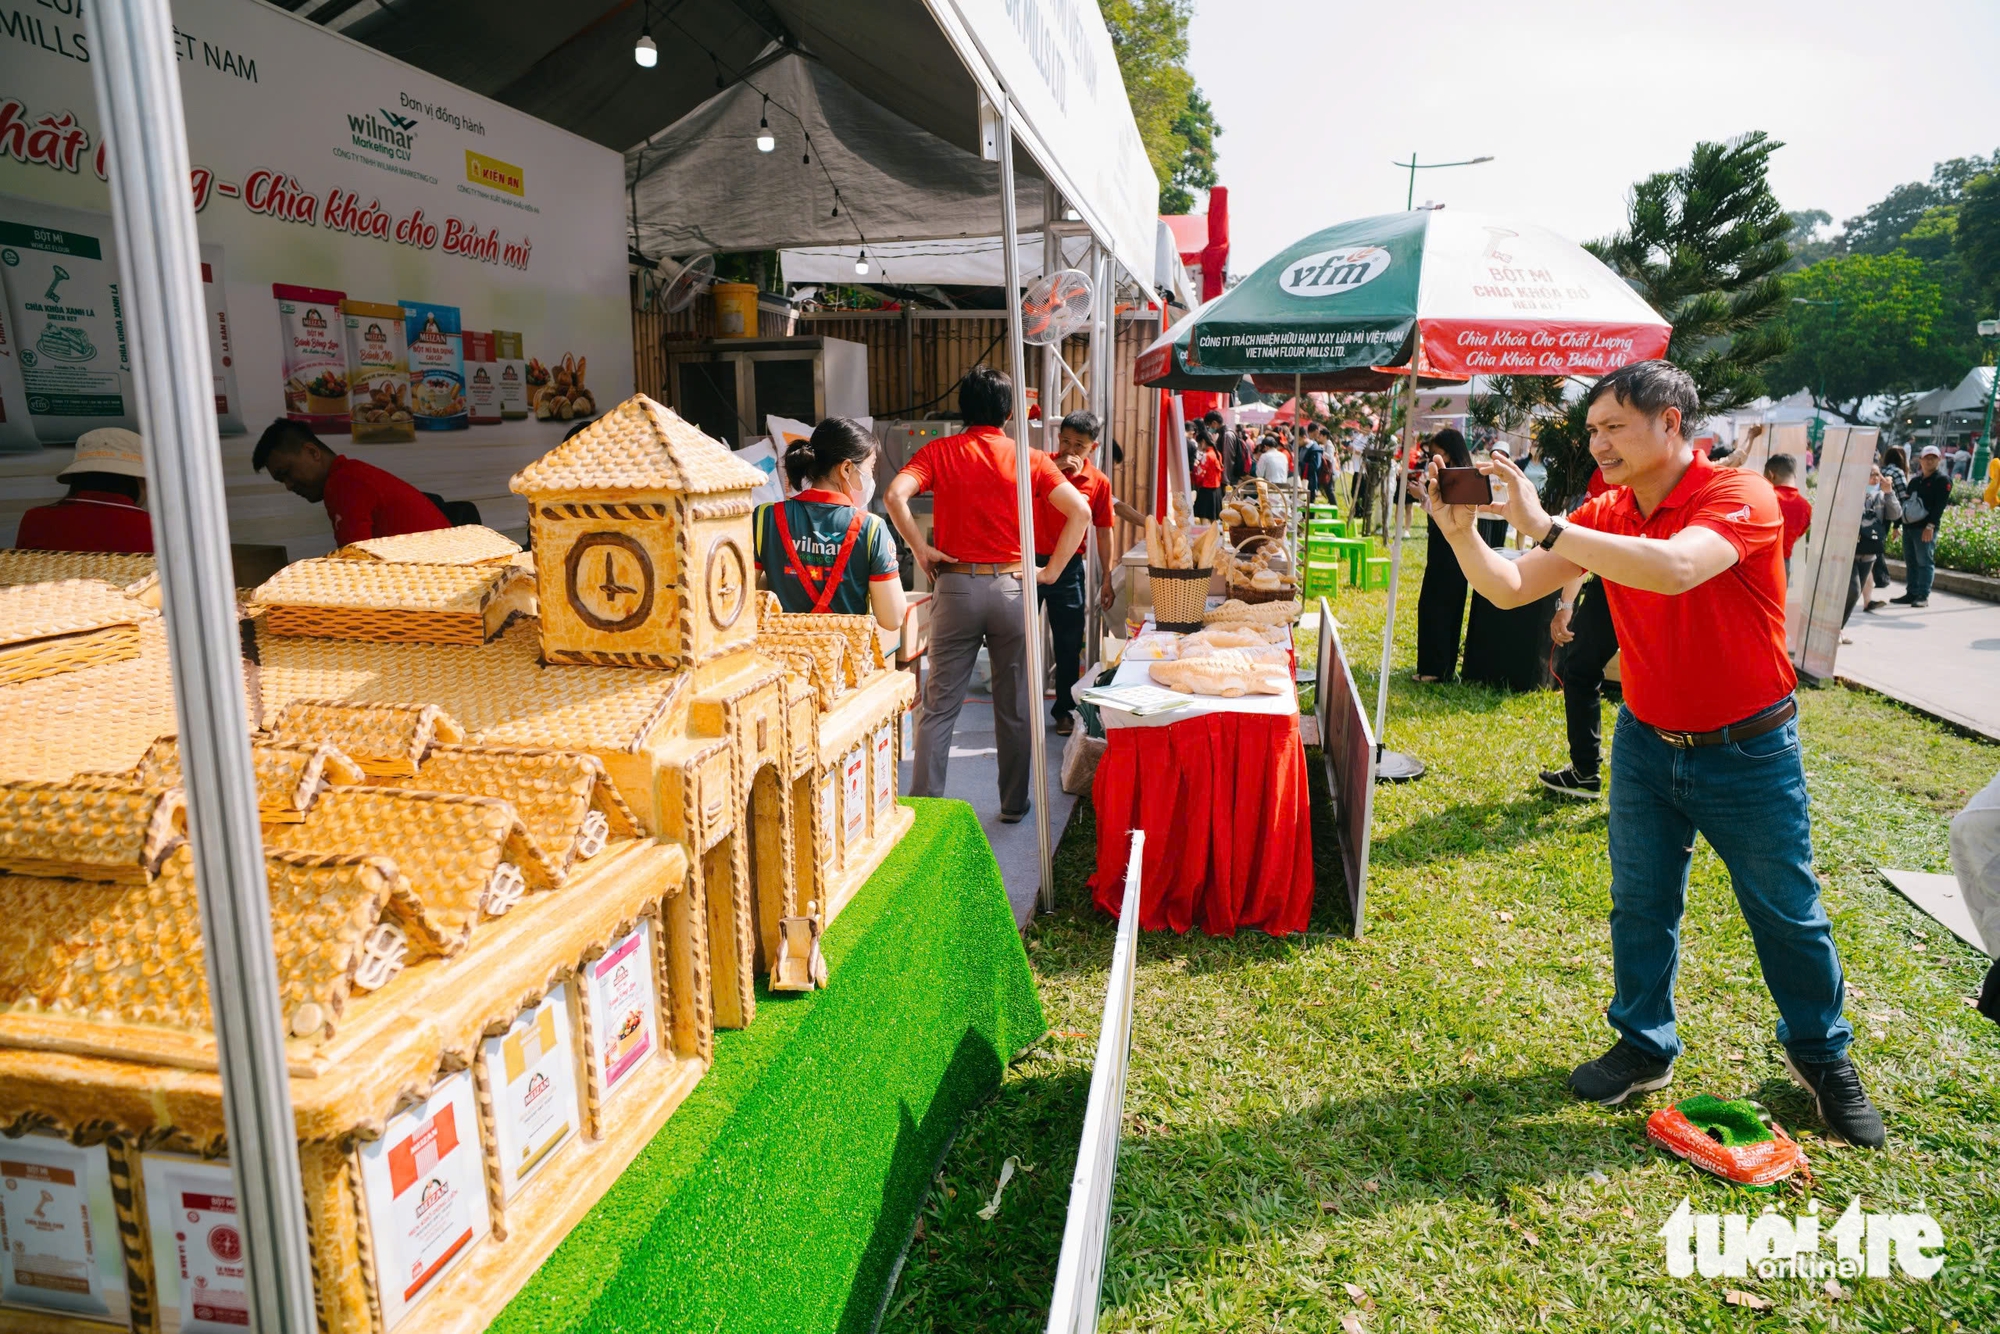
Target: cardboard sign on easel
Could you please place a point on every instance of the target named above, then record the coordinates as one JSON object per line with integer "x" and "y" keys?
{"x": 1823, "y": 562}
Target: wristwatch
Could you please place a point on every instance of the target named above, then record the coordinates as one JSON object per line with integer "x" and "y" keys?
{"x": 1556, "y": 529}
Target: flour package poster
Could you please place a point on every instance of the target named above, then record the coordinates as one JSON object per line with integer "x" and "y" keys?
{"x": 314, "y": 163}
{"x": 199, "y": 1269}
{"x": 531, "y": 1070}
{"x": 59, "y": 1248}
{"x": 624, "y": 1009}
{"x": 426, "y": 1194}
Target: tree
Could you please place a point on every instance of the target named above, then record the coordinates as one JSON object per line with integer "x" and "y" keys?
{"x": 1871, "y": 326}
{"x": 1704, "y": 246}
{"x": 1175, "y": 121}
{"x": 1977, "y": 239}
{"x": 1196, "y": 129}
{"x": 1804, "y": 238}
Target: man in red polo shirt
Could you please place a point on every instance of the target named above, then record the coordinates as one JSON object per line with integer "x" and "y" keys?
{"x": 1076, "y": 439}
{"x": 1779, "y": 470}
{"x": 973, "y": 558}
{"x": 105, "y": 509}
{"x": 1692, "y": 566}
{"x": 362, "y": 500}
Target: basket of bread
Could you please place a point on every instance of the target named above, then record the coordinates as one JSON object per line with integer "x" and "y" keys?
{"x": 1248, "y": 576}
{"x": 1254, "y": 513}
{"x": 1180, "y": 562}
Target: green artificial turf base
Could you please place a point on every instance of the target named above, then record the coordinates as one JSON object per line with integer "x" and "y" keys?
{"x": 780, "y": 1194}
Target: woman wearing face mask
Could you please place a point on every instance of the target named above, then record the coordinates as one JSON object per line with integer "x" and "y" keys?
{"x": 822, "y": 551}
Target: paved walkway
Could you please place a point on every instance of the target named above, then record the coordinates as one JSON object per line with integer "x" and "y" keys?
{"x": 1943, "y": 659}
{"x": 974, "y": 776}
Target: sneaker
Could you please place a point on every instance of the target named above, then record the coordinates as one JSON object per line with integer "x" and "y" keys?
{"x": 1568, "y": 782}
{"x": 1843, "y": 1103}
{"x": 1920, "y": 604}
{"x": 1065, "y": 725}
{"x": 1902, "y": 599}
{"x": 1618, "y": 1074}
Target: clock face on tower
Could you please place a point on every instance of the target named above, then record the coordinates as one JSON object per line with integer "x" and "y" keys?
{"x": 728, "y": 580}
{"x": 608, "y": 580}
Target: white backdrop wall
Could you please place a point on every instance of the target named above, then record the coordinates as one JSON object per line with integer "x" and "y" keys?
{"x": 317, "y": 163}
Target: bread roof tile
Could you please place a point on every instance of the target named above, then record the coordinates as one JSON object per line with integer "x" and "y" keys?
{"x": 638, "y": 447}
{"x": 132, "y": 954}
{"x": 467, "y": 544}
{"x": 93, "y": 830}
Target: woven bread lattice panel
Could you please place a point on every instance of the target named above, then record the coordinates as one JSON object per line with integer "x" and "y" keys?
{"x": 500, "y": 691}
{"x": 392, "y": 602}
{"x": 639, "y": 447}
{"x": 447, "y": 848}
{"x": 41, "y": 567}
{"x": 99, "y": 718}
{"x": 468, "y": 544}
{"x": 384, "y": 739}
{"x": 30, "y": 612}
{"x": 289, "y": 773}
{"x": 864, "y": 645}
{"x": 92, "y": 830}
{"x": 822, "y": 670}
{"x": 132, "y": 954}
{"x": 552, "y": 791}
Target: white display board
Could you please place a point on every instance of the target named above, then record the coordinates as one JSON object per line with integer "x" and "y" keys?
{"x": 624, "y": 1009}
{"x": 58, "y": 1231}
{"x": 853, "y": 799}
{"x": 425, "y": 1186}
{"x": 317, "y": 164}
{"x": 531, "y": 1069}
{"x": 199, "y": 1269}
{"x": 885, "y": 771}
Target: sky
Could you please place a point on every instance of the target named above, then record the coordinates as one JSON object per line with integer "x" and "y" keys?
{"x": 1577, "y": 101}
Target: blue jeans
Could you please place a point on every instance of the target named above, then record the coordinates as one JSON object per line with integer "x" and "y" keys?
{"x": 1919, "y": 562}
{"x": 1748, "y": 799}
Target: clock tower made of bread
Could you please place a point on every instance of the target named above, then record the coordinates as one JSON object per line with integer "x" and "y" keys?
{"x": 641, "y": 533}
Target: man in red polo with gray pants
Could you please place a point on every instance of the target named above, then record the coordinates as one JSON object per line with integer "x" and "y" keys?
{"x": 1692, "y": 562}
{"x": 973, "y": 559}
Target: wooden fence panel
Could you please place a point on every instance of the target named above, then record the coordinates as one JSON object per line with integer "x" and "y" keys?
{"x": 915, "y": 361}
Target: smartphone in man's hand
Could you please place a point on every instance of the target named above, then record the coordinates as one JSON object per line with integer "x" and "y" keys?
{"x": 1464, "y": 486}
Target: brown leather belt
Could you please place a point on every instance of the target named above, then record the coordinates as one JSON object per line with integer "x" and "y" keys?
{"x": 963, "y": 567}
{"x": 1768, "y": 721}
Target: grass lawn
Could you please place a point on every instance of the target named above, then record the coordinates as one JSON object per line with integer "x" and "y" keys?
{"x": 1308, "y": 1114}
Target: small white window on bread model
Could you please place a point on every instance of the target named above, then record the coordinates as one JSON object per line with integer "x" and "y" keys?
{"x": 383, "y": 952}
{"x": 503, "y": 890}
{"x": 592, "y": 836}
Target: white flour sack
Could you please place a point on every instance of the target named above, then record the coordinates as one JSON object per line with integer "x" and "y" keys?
{"x": 67, "y": 320}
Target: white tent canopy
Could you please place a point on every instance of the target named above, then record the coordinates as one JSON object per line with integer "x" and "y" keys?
{"x": 1969, "y": 395}
{"x": 973, "y": 262}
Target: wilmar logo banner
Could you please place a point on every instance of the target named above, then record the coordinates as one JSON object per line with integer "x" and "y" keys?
{"x": 1331, "y": 272}
{"x": 1859, "y": 1244}
{"x": 315, "y": 163}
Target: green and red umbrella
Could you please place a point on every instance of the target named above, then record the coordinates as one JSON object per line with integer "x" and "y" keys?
{"x": 1458, "y": 294}
{"x": 1447, "y": 294}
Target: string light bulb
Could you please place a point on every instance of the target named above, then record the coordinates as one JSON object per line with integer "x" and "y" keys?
{"x": 645, "y": 51}
{"x": 861, "y": 264}
{"x": 766, "y": 141}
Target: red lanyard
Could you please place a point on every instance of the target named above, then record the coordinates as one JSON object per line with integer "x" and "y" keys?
{"x": 823, "y": 597}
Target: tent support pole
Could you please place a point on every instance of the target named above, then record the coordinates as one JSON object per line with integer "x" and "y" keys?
{"x": 1394, "y": 766}
{"x": 1010, "y": 258}
{"x": 1100, "y": 366}
{"x": 139, "y": 98}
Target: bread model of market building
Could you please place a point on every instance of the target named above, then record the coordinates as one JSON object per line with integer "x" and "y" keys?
{"x": 533, "y": 826}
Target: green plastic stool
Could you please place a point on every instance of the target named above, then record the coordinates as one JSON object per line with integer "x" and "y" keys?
{"x": 1321, "y": 580}
{"x": 1353, "y": 550}
{"x": 1376, "y": 572}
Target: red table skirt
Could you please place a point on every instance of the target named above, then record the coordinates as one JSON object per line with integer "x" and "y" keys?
{"x": 1223, "y": 801}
